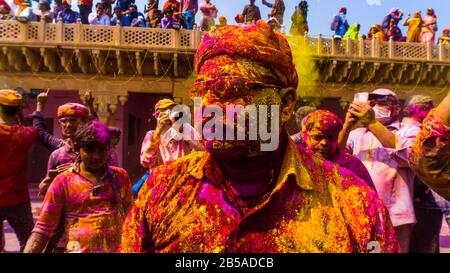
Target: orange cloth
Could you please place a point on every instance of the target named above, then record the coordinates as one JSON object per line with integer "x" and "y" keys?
{"x": 73, "y": 109}
{"x": 253, "y": 52}
{"x": 414, "y": 27}
{"x": 10, "y": 98}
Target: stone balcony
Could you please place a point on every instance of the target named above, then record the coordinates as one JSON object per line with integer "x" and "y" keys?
{"x": 114, "y": 60}
{"x": 76, "y": 48}
{"x": 345, "y": 60}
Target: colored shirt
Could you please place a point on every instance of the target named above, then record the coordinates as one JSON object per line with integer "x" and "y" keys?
{"x": 62, "y": 155}
{"x": 167, "y": 149}
{"x": 389, "y": 169}
{"x": 251, "y": 14}
{"x": 187, "y": 206}
{"x": 124, "y": 21}
{"x": 135, "y": 17}
{"x": 57, "y": 8}
{"x": 167, "y": 22}
{"x": 189, "y": 5}
{"x": 342, "y": 25}
{"x": 68, "y": 17}
{"x": 15, "y": 142}
{"x": 94, "y": 221}
{"x": 430, "y": 155}
{"x": 26, "y": 13}
{"x": 48, "y": 15}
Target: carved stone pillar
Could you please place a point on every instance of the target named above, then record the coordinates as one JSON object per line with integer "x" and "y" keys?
{"x": 106, "y": 104}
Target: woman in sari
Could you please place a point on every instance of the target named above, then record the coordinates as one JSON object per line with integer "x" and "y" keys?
{"x": 414, "y": 26}
{"x": 429, "y": 27}
{"x": 445, "y": 38}
{"x": 353, "y": 32}
{"x": 394, "y": 32}
{"x": 209, "y": 13}
{"x": 376, "y": 31}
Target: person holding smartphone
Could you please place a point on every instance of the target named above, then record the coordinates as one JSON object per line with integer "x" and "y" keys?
{"x": 161, "y": 146}
{"x": 383, "y": 145}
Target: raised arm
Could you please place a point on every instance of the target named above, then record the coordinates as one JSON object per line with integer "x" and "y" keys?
{"x": 52, "y": 143}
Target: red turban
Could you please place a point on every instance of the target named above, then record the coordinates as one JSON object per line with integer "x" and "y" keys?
{"x": 323, "y": 121}
{"x": 235, "y": 56}
{"x": 73, "y": 109}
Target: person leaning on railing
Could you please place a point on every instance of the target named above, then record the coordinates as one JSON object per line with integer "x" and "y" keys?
{"x": 5, "y": 12}
{"x": 67, "y": 15}
{"x": 445, "y": 38}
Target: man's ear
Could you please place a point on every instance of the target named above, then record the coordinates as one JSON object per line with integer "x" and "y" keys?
{"x": 288, "y": 102}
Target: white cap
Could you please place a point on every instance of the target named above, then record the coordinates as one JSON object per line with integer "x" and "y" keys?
{"x": 384, "y": 92}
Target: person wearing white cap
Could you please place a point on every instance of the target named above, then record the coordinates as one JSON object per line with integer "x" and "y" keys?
{"x": 383, "y": 145}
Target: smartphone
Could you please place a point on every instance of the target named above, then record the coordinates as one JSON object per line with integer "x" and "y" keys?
{"x": 362, "y": 97}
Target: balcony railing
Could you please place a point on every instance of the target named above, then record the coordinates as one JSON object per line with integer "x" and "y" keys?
{"x": 130, "y": 38}
{"x": 79, "y": 35}
{"x": 374, "y": 49}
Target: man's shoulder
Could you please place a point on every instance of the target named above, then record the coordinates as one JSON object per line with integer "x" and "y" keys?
{"x": 118, "y": 170}
{"x": 172, "y": 176}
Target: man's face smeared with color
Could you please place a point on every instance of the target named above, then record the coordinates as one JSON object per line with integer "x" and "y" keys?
{"x": 321, "y": 132}
{"x": 245, "y": 66}
{"x": 242, "y": 148}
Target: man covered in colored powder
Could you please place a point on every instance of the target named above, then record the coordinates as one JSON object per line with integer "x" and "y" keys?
{"x": 237, "y": 198}
{"x": 383, "y": 145}
{"x": 88, "y": 202}
{"x": 430, "y": 156}
{"x": 320, "y": 134}
{"x": 70, "y": 117}
{"x": 15, "y": 142}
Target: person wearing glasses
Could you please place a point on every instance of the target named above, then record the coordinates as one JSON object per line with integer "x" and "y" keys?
{"x": 70, "y": 117}
{"x": 383, "y": 145}
{"x": 87, "y": 203}
{"x": 238, "y": 196}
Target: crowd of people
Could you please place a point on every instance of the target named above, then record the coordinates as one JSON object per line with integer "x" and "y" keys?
{"x": 181, "y": 14}
{"x": 377, "y": 181}
{"x": 420, "y": 29}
